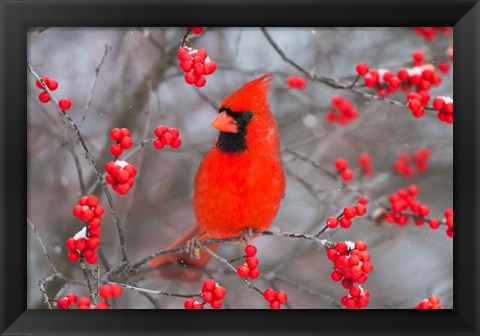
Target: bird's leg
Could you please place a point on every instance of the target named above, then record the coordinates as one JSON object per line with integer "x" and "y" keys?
{"x": 193, "y": 246}
{"x": 246, "y": 235}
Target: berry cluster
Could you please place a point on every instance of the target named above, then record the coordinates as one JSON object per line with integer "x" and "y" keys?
{"x": 276, "y": 299}
{"x": 429, "y": 33}
{"x": 433, "y": 302}
{"x": 123, "y": 139}
{"x": 213, "y": 294}
{"x": 120, "y": 175}
{"x": 421, "y": 78}
{"x": 345, "y": 219}
{"x": 52, "y": 84}
{"x": 167, "y": 136}
{"x": 86, "y": 241}
{"x": 342, "y": 111}
{"x": 342, "y": 167}
{"x": 403, "y": 203}
{"x": 449, "y": 221}
{"x": 382, "y": 79}
{"x": 109, "y": 291}
{"x": 196, "y": 64}
{"x": 444, "y": 106}
{"x": 297, "y": 82}
{"x": 351, "y": 264}
{"x": 365, "y": 162}
{"x": 249, "y": 268}
{"x": 417, "y": 102}
{"x": 196, "y": 30}
{"x": 403, "y": 166}
{"x": 105, "y": 291}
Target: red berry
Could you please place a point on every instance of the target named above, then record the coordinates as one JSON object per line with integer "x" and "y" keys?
{"x": 45, "y": 80}
{"x": 219, "y": 292}
{"x": 347, "y": 175}
{"x": 64, "y": 103}
{"x": 336, "y": 276}
{"x": 250, "y": 250}
{"x": 361, "y": 245}
{"x": 367, "y": 267}
{"x": 216, "y": 304}
{"x": 362, "y": 69}
{"x": 332, "y": 222}
{"x": 434, "y": 223}
{"x": 345, "y": 223}
{"x": 73, "y": 256}
{"x": 341, "y": 247}
{"x": 210, "y": 67}
{"x": 84, "y": 301}
{"x": 275, "y": 305}
{"x": 243, "y": 271}
{"x": 269, "y": 294}
{"x": 63, "y": 303}
{"x": 52, "y": 84}
{"x": 254, "y": 273}
{"x": 102, "y": 305}
{"x": 341, "y": 164}
{"x": 360, "y": 209}
{"x": 105, "y": 292}
{"x": 190, "y": 78}
{"x": 349, "y": 212}
{"x": 282, "y": 297}
{"x": 252, "y": 262}
{"x": 116, "y": 290}
{"x": 209, "y": 285}
{"x": 208, "y": 297}
{"x": 196, "y": 30}
{"x": 201, "y": 81}
{"x": 72, "y": 298}
{"x": 189, "y": 303}
{"x": 126, "y": 142}
{"x": 44, "y": 97}
{"x": 186, "y": 66}
{"x": 71, "y": 244}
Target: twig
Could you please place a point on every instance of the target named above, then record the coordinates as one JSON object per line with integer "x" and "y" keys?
{"x": 91, "y": 160}
{"x": 333, "y": 83}
{"x": 93, "y": 84}
{"x": 157, "y": 292}
{"x": 87, "y": 280}
{"x": 43, "y": 247}
{"x": 249, "y": 283}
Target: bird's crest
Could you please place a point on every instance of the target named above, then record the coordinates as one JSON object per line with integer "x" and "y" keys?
{"x": 252, "y": 96}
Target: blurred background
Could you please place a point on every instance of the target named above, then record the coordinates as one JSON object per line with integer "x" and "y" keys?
{"x": 139, "y": 86}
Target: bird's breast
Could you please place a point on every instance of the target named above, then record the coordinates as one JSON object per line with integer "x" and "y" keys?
{"x": 237, "y": 191}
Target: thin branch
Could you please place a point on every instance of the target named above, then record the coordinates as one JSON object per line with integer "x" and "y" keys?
{"x": 42, "y": 245}
{"x": 332, "y": 82}
{"x": 249, "y": 283}
{"x": 93, "y": 84}
{"x": 91, "y": 160}
{"x": 157, "y": 292}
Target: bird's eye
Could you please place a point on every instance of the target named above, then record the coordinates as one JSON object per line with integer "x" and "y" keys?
{"x": 247, "y": 116}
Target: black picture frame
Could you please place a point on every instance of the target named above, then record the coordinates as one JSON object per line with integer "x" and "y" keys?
{"x": 17, "y": 16}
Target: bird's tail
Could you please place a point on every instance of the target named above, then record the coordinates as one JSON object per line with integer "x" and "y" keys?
{"x": 182, "y": 265}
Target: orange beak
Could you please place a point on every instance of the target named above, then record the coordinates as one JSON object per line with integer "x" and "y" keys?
{"x": 224, "y": 123}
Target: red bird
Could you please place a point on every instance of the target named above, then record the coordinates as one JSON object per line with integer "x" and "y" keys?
{"x": 240, "y": 182}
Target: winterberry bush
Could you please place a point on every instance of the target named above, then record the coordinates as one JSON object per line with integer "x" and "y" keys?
{"x": 119, "y": 122}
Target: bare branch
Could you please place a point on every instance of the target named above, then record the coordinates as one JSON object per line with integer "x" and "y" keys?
{"x": 91, "y": 160}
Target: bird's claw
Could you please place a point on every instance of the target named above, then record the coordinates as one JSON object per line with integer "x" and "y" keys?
{"x": 193, "y": 247}
{"x": 247, "y": 234}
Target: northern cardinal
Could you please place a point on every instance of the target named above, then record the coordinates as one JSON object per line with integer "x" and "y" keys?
{"x": 240, "y": 182}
